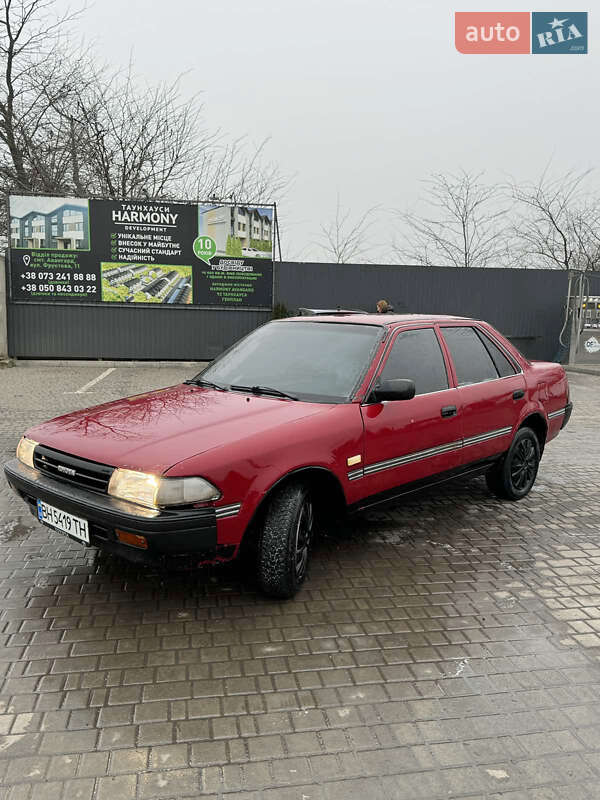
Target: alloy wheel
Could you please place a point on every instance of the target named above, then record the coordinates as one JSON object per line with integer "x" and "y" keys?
{"x": 304, "y": 529}
{"x": 523, "y": 465}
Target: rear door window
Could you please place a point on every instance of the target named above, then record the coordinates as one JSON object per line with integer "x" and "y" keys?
{"x": 472, "y": 362}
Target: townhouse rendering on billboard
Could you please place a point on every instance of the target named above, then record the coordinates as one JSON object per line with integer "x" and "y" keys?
{"x": 238, "y": 230}
{"x": 64, "y": 227}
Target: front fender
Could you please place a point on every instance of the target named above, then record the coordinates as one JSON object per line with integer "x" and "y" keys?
{"x": 245, "y": 471}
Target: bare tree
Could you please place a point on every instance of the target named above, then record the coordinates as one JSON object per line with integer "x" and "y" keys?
{"x": 237, "y": 171}
{"x": 134, "y": 140}
{"x": 131, "y": 140}
{"x": 463, "y": 227}
{"x": 346, "y": 238}
{"x": 70, "y": 126}
{"x": 560, "y": 226}
{"x": 37, "y": 74}
{"x": 584, "y": 224}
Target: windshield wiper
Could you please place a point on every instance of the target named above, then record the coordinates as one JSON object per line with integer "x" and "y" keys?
{"x": 262, "y": 390}
{"x": 207, "y": 384}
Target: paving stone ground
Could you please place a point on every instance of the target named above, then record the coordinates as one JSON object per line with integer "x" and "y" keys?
{"x": 448, "y": 647}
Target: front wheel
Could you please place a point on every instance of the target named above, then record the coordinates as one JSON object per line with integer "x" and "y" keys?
{"x": 514, "y": 477}
{"x": 285, "y": 540}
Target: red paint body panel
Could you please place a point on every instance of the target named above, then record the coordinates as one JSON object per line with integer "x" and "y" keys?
{"x": 262, "y": 457}
{"x": 487, "y": 407}
{"x": 245, "y": 444}
{"x": 395, "y": 430}
{"x": 152, "y": 432}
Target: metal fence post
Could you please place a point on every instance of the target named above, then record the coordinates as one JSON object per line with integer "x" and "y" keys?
{"x": 3, "y": 310}
{"x": 577, "y": 292}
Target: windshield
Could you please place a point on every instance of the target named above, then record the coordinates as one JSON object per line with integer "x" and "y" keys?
{"x": 318, "y": 361}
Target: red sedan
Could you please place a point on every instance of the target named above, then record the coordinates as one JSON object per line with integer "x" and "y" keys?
{"x": 302, "y": 419}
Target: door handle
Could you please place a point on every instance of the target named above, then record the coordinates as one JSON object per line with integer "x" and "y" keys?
{"x": 448, "y": 411}
{"x": 518, "y": 394}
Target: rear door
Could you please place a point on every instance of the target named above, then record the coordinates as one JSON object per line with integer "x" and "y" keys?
{"x": 408, "y": 440}
{"x": 491, "y": 391}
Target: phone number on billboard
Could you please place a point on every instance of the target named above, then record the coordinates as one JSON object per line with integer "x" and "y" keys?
{"x": 50, "y": 288}
{"x": 58, "y": 276}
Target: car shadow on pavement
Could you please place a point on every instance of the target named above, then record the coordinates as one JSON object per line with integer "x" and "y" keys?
{"x": 436, "y": 518}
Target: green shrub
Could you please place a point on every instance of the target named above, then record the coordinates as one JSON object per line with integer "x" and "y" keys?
{"x": 280, "y": 311}
{"x": 258, "y": 244}
{"x": 233, "y": 247}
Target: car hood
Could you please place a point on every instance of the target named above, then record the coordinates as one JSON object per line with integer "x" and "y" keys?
{"x": 152, "y": 432}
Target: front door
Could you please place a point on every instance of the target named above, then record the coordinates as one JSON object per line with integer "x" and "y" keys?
{"x": 408, "y": 440}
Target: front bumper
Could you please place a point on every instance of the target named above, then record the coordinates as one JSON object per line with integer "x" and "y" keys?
{"x": 188, "y": 535}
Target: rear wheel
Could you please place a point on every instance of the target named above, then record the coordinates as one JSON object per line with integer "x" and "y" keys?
{"x": 285, "y": 541}
{"x": 514, "y": 476}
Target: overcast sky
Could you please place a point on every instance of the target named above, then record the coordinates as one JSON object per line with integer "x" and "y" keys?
{"x": 19, "y": 206}
{"x": 362, "y": 98}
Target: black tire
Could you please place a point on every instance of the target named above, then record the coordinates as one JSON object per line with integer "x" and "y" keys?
{"x": 285, "y": 540}
{"x": 514, "y": 476}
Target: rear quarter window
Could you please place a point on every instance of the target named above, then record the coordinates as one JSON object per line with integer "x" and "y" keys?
{"x": 504, "y": 366}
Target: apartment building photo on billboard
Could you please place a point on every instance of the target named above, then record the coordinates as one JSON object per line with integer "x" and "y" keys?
{"x": 49, "y": 223}
{"x": 238, "y": 230}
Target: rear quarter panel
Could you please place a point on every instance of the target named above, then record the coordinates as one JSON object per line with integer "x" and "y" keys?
{"x": 548, "y": 390}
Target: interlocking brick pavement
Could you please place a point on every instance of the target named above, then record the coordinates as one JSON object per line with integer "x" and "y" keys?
{"x": 448, "y": 647}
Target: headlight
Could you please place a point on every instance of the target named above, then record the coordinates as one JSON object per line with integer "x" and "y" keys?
{"x": 25, "y": 450}
{"x": 157, "y": 492}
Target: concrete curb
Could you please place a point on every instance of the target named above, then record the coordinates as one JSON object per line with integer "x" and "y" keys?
{"x": 197, "y": 365}
{"x": 584, "y": 370}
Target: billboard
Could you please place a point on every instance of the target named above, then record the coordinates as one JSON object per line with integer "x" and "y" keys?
{"x": 67, "y": 249}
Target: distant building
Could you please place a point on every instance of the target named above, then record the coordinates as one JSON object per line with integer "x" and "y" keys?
{"x": 246, "y": 224}
{"x": 65, "y": 228}
{"x": 261, "y": 226}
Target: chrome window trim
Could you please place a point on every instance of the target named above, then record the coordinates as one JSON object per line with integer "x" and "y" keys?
{"x": 490, "y": 380}
{"x": 425, "y": 394}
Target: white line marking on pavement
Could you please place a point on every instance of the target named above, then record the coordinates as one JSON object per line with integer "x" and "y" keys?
{"x": 87, "y": 386}
{"x": 499, "y": 774}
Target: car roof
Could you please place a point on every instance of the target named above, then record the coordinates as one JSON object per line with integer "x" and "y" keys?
{"x": 378, "y": 319}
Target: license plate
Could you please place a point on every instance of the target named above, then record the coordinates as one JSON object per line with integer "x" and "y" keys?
{"x": 62, "y": 521}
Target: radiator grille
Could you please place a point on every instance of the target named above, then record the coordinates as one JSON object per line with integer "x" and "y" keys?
{"x": 70, "y": 469}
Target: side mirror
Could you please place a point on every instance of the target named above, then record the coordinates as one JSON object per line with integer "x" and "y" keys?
{"x": 397, "y": 389}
